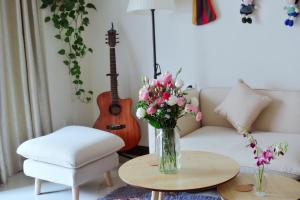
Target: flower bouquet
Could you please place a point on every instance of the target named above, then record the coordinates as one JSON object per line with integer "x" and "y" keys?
{"x": 162, "y": 102}
{"x": 263, "y": 157}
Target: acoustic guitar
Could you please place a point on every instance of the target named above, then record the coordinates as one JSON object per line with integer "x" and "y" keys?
{"x": 115, "y": 113}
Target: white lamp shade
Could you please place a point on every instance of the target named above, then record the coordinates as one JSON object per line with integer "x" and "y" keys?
{"x": 140, "y": 6}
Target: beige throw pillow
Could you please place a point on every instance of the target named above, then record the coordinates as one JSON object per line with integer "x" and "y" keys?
{"x": 242, "y": 106}
{"x": 188, "y": 123}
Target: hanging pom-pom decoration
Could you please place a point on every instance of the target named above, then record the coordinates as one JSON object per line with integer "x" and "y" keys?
{"x": 203, "y": 12}
{"x": 247, "y": 9}
{"x": 292, "y": 12}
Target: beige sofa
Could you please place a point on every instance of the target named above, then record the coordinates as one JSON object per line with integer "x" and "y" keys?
{"x": 279, "y": 122}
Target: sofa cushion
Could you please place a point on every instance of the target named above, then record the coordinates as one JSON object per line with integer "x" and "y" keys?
{"x": 242, "y": 105}
{"x": 71, "y": 147}
{"x": 226, "y": 141}
{"x": 281, "y": 115}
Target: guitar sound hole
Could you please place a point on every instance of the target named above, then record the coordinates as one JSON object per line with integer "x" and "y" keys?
{"x": 115, "y": 109}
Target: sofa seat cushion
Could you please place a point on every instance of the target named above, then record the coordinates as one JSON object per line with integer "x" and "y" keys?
{"x": 71, "y": 147}
{"x": 227, "y": 142}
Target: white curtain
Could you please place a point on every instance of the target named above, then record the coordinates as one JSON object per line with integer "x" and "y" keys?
{"x": 24, "y": 102}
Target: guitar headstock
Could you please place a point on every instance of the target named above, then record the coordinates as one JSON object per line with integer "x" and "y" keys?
{"x": 111, "y": 37}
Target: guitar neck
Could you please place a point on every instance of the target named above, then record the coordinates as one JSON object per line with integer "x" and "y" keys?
{"x": 113, "y": 76}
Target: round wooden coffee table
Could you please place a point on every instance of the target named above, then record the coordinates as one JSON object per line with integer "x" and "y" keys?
{"x": 278, "y": 188}
{"x": 200, "y": 170}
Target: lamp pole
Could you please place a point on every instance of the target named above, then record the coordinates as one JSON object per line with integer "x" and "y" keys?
{"x": 156, "y": 66}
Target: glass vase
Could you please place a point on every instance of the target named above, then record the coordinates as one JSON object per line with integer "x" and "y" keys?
{"x": 260, "y": 182}
{"x": 168, "y": 151}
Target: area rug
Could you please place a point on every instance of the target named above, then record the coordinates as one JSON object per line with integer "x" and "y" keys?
{"x": 132, "y": 193}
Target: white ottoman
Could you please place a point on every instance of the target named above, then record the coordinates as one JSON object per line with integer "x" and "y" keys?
{"x": 71, "y": 156}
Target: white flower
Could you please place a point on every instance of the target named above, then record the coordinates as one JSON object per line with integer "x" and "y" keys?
{"x": 179, "y": 83}
{"x": 172, "y": 100}
{"x": 194, "y": 101}
{"x": 140, "y": 113}
{"x": 167, "y": 116}
{"x": 168, "y": 110}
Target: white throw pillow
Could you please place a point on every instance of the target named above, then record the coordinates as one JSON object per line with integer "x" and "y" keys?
{"x": 242, "y": 106}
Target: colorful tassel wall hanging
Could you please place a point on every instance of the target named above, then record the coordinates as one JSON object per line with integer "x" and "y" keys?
{"x": 203, "y": 12}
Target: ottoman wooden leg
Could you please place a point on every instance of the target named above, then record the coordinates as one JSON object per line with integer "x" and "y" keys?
{"x": 108, "y": 179}
{"x": 75, "y": 193}
{"x": 37, "y": 186}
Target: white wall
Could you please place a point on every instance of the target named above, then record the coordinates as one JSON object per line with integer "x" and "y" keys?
{"x": 65, "y": 108}
{"x": 264, "y": 54}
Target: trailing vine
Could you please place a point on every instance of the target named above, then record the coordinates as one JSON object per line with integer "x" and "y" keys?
{"x": 70, "y": 18}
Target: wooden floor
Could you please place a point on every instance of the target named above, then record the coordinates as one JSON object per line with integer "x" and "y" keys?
{"x": 21, "y": 187}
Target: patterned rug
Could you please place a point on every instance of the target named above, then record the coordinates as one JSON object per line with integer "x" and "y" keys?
{"x": 132, "y": 193}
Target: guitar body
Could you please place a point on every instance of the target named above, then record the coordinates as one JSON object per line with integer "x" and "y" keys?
{"x": 122, "y": 124}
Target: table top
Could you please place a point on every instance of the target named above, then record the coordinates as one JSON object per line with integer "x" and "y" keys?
{"x": 199, "y": 170}
{"x": 278, "y": 188}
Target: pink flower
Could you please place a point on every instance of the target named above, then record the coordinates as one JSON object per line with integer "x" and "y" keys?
{"x": 199, "y": 116}
{"x": 264, "y": 158}
{"x": 267, "y": 155}
{"x": 157, "y": 83}
{"x": 181, "y": 101}
{"x": 151, "y": 110}
{"x": 143, "y": 94}
{"x": 167, "y": 78}
{"x": 159, "y": 101}
{"x": 166, "y": 96}
{"x": 191, "y": 108}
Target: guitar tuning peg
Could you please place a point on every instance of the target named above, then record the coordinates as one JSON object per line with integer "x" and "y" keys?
{"x": 117, "y": 34}
{"x": 117, "y": 42}
{"x": 106, "y": 38}
{"x": 106, "y": 34}
{"x": 106, "y": 42}
{"x": 117, "y": 38}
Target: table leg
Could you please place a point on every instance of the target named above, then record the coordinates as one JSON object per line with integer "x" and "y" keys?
{"x": 154, "y": 195}
{"x": 160, "y": 196}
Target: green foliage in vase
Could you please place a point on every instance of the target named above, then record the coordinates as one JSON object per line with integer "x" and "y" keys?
{"x": 70, "y": 18}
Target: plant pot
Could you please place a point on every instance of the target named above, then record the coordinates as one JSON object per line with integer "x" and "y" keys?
{"x": 168, "y": 151}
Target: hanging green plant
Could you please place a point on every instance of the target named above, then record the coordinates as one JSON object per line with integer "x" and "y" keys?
{"x": 70, "y": 18}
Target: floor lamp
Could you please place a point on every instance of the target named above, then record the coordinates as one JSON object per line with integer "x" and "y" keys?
{"x": 144, "y": 6}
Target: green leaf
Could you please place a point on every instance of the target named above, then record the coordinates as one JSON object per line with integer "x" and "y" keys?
{"x": 90, "y": 92}
{"x": 88, "y": 99}
{"x": 90, "y": 50}
{"x": 53, "y": 8}
{"x": 66, "y": 62}
{"x": 75, "y": 82}
{"x": 44, "y": 6}
{"x": 62, "y": 52}
{"x": 80, "y": 82}
{"x": 67, "y": 39}
{"x": 69, "y": 5}
{"x": 64, "y": 23}
{"x": 78, "y": 93}
{"x": 47, "y": 19}
{"x": 72, "y": 55}
{"x": 90, "y": 5}
{"x": 81, "y": 28}
{"x": 72, "y": 14}
{"x": 57, "y": 36}
{"x": 85, "y": 21}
